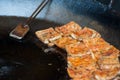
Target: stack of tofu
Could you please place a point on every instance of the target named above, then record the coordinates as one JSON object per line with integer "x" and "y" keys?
{"x": 89, "y": 57}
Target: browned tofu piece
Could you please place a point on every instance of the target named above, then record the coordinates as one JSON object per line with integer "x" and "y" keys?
{"x": 108, "y": 63}
{"x": 47, "y": 36}
{"x": 82, "y": 74}
{"x": 85, "y": 62}
{"x": 109, "y": 58}
{"x": 68, "y": 28}
{"x": 111, "y": 52}
{"x": 77, "y": 49}
{"x": 99, "y": 47}
{"x": 106, "y": 74}
{"x": 86, "y": 33}
{"x": 81, "y": 67}
{"x": 96, "y": 46}
{"x": 64, "y": 41}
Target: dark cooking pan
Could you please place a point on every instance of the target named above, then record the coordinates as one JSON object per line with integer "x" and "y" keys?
{"x": 26, "y": 59}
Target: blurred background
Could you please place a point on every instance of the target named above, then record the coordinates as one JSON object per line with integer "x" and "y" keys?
{"x": 67, "y": 9}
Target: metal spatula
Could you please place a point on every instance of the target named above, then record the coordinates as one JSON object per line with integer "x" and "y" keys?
{"x": 21, "y": 30}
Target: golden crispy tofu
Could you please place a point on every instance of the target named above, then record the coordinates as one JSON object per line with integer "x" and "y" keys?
{"x": 106, "y": 74}
{"x": 84, "y": 62}
{"x": 108, "y": 63}
{"x": 47, "y": 36}
{"x": 64, "y": 41}
{"x": 81, "y": 74}
{"x": 77, "y": 49}
{"x": 96, "y": 46}
{"x": 109, "y": 58}
{"x": 68, "y": 28}
{"x": 86, "y": 33}
{"x": 111, "y": 52}
{"x": 81, "y": 67}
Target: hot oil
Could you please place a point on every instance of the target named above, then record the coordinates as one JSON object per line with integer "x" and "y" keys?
{"x": 25, "y": 61}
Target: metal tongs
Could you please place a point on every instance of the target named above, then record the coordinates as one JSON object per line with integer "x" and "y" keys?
{"x": 21, "y": 30}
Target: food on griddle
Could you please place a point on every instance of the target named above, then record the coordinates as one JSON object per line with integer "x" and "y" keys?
{"x": 85, "y": 33}
{"x": 64, "y": 41}
{"x": 77, "y": 49}
{"x": 85, "y": 61}
{"x": 81, "y": 74}
{"x": 80, "y": 63}
{"x": 106, "y": 74}
{"x": 68, "y": 29}
{"x": 111, "y": 52}
{"x": 108, "y": 63}
{"x": 47, "y": 36}
{"x": 89, "y": 57}
{"x": 81, "y": 67}
{"x": 96, "y": 46}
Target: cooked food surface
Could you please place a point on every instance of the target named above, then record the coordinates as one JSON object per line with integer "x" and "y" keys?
{"x": 111, "y": 52}
{"x": 86, "y": 33}
{"x": 47, "y": 36}
{"x": 64, "y": 41}
{"x": 85, "y": 62}
{"x": 106, "y": 74}
{"x": 97, "y": 44}
{"x": 77, "y": 49}
{"x": 108, "y": 63}
{"x": 68, "y": 29}
{"x": 80, "y": 74}
{"x": 89, "y": 56}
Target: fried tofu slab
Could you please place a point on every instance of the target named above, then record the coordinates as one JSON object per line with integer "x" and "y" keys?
{"x": 77, "y": 49}
{"x": 89, "y": 56}
{"x": 86, "y": 33}
{"x": 81, "y": 67}
{"x": 106, "y": 74}
{"x": 64, "y": 41}
{"x": 68, "y": 29}
{"x": 47, "y": 36}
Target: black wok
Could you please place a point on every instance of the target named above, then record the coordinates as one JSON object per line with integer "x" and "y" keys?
{"x": 26, "y": 60}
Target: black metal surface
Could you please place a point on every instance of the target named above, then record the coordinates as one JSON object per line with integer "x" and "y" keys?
{"x": 25, "y": 60}
{"x": 28, "y": 62}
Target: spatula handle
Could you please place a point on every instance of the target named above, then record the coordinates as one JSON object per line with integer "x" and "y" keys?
{"x": 36, "y": 12}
